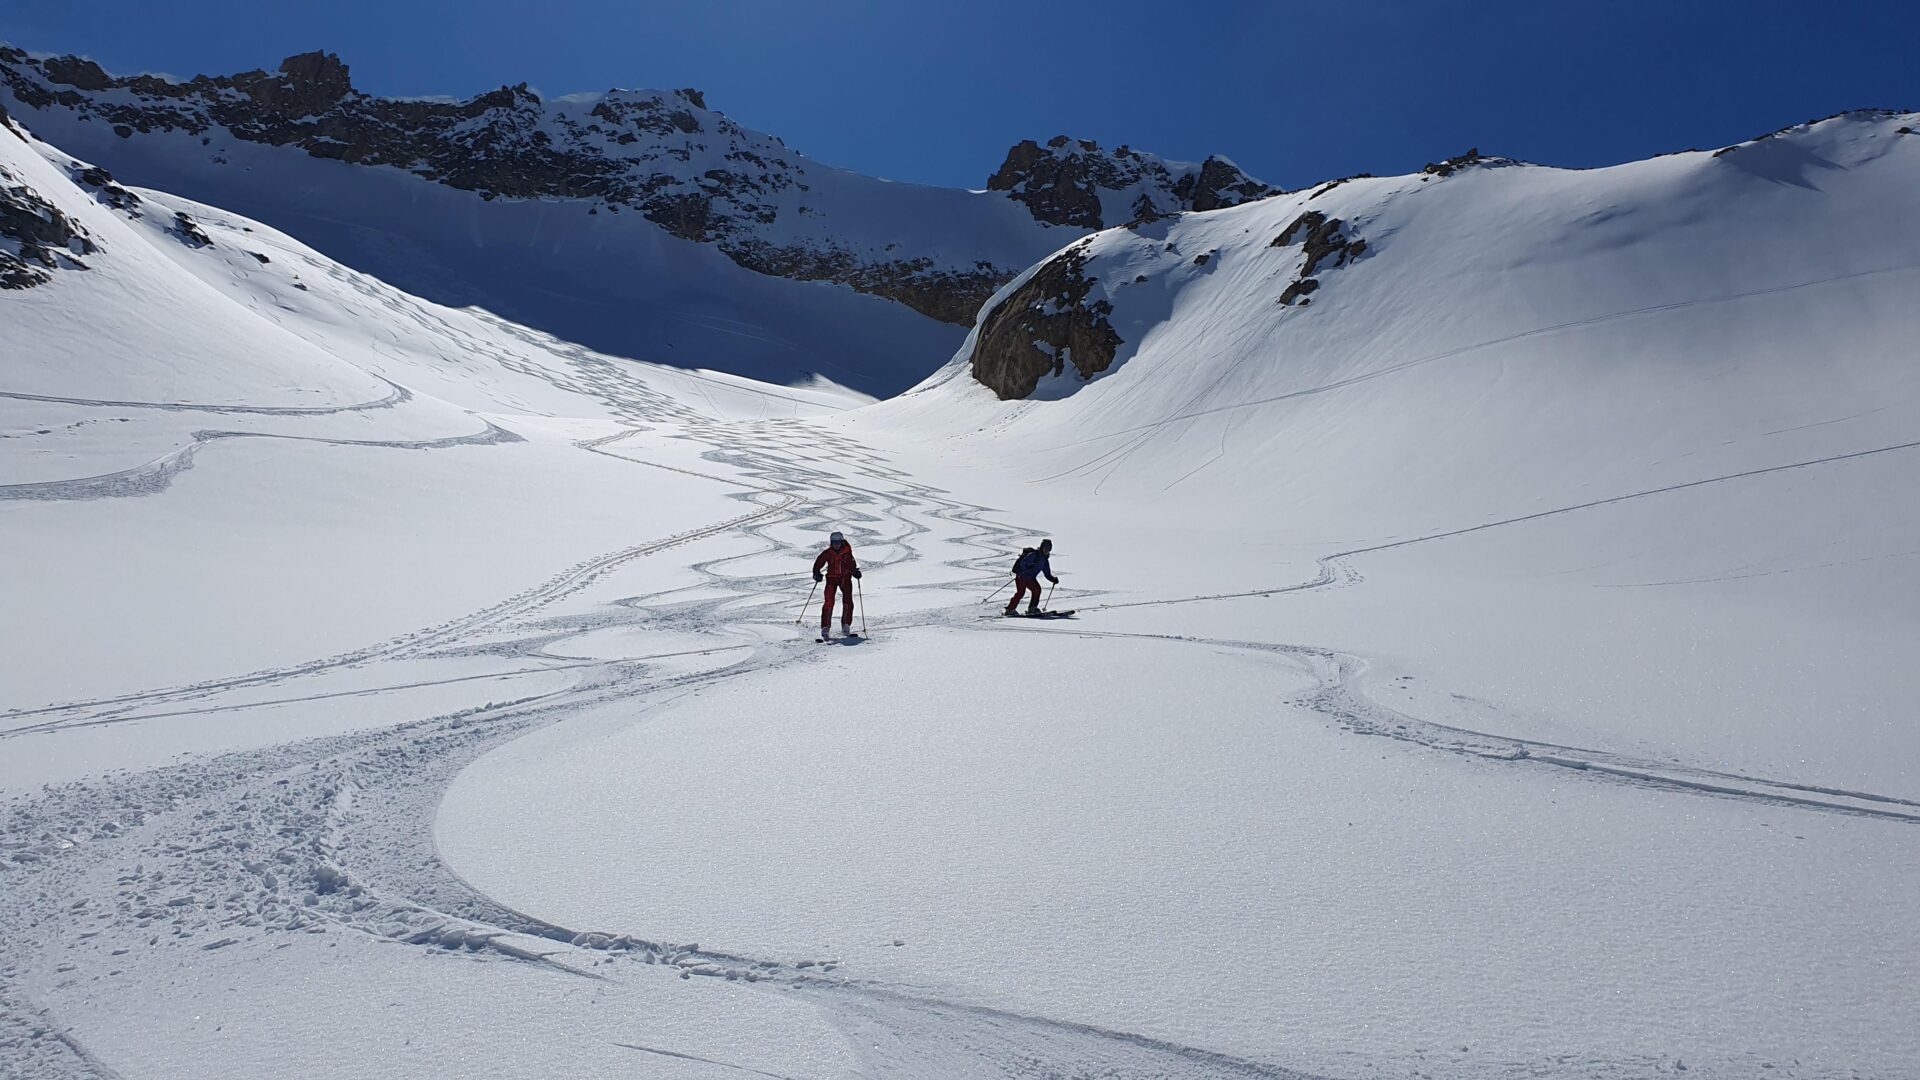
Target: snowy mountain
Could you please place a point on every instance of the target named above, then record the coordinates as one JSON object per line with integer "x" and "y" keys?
{"x": 620, "y": 220}
{"x": 120, "y": 293}
{"x": 1495, "y": 601}
{"x": 1492, "y": 238}
{"x": 1603, "y": 482}
{"x": 1688, "y": 381}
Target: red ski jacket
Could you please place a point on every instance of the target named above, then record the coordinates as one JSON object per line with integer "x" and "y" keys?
{"x": 838, "y": 561}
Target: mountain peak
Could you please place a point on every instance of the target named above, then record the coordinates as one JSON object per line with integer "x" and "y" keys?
{"x": 317, "y": 69}
{"x": 1075, "y": 182}
{"x": 594, "y": 163}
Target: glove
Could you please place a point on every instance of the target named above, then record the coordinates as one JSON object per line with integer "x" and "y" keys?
{"x": 856, "y": 573}
{"x": 817, "y": 579}
{"x": 1053, "y": 579}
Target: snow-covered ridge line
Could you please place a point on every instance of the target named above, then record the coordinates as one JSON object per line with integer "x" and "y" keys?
{"x": 662, "y": 153}
{"x": 1086, "y": 311}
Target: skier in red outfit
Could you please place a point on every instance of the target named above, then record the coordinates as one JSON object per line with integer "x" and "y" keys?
{"x": 841, "y": 569}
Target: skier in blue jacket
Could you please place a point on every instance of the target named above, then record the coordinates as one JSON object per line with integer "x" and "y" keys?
{"x": 1027, "y": 571}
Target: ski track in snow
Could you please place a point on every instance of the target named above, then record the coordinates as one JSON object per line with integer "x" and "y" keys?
{"x": 325, "y": 835}
{"x": 157, "y": 475}
{"x": 397, "y": 395}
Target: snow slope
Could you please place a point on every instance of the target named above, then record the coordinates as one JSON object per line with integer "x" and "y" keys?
{"x": 1497, "y": 667}
{"x": 636, "y": 222}
{"x": 164, "y": 355}
{"x": 1589, "y": 496}
{"x": 1715, "y": 348}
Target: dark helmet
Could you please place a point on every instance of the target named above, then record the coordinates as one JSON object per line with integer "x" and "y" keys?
{"x": 1046, "y": 545}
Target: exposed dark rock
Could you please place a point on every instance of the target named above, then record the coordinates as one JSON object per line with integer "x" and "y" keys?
{"x": 1144, "y": 212}
{"x": 1041, "y": 327}
{"x": 1061, "y": 182}
{"x": 15, "y": 274}
{"x": 1322, "y": 241}
{"x": 77, "y": 71}
{"x": 32, "y": 231}
{"x": 189, "y": 230}
{"x": 263, "y": 259}
{"x": 313, "y": 81}
{"x": 1201, "y": 259}
{"x": 1310, "y": 220}
{"x": 685, "y": 216}
{"x": 1452, "y": 164}
{"x": 946, "y": 295}
{"x": 1220, "y": 183}
{"x": 1297, "y": 292}
{"x": 1055, "y": 190}
{"x": 1331, "y": 184}
{"x": 105, "y": 189}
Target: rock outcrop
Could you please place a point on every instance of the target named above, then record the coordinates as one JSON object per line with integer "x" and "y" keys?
{"x": 1050, "y": 321}
{"x": 1322, "y": 240}
{"x": 101, "y": 182}
{"x": 36, "y": 238}
{"x": 1472, "y": 159}
{"x": 663, "y": 154}
{"x": 1075, "y": 182}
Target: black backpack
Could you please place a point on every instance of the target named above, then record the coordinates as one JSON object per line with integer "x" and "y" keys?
{"x": 1021, "y": 561}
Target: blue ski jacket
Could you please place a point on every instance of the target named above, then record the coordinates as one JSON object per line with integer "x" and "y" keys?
{"x": 1033, "y": 564}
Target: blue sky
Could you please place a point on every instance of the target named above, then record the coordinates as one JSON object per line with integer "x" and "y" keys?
{"x": 936, "y": 92}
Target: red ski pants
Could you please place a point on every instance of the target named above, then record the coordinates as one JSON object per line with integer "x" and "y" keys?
{"x": 845, "y": 585}
{"x": 1023, "y": 584}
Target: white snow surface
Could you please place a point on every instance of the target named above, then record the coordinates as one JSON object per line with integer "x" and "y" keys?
{"x": 1499, "y": 667}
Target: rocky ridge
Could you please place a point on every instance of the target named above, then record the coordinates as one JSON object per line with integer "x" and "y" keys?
{"x": 1075, "y": 182}
{"x": 1058, "y": 316}
{"x": 663, "y": 154}
{"x": 36, "y": 237}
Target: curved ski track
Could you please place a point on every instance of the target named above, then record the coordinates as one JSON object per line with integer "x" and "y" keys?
{"x": 324, "y": 835}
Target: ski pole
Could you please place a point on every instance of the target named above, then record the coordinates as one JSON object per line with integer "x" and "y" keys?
{"x": 861, "y": 595}
{"x": 996, "y": 592}
{"x": 1049, "y": 604}
{"x": 809, "y": 603}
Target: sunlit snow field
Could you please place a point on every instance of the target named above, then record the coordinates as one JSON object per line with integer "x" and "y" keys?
{"x": 1499, "y": 668}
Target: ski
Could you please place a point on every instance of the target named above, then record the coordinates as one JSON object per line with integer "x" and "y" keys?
{"x": 1032, "y": 615}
